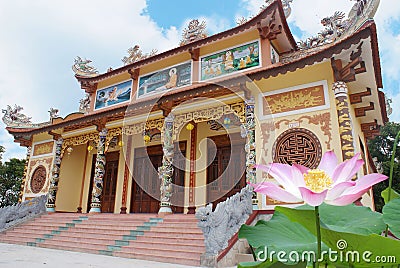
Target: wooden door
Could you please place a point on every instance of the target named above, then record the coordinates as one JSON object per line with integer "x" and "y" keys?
{"x": 146, "y": 184}
{"x": 110, "y": 182}
{"x": 226, "y": 175}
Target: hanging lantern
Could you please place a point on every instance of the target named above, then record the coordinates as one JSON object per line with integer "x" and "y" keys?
{"x": 190, "y": 126}
{"x": 120, "y": 143}
{"x": 90, "y": 148}
{"x": 69, "y": 150}
{"x": 146, "y": 138}
{"x": 227, "y": 121}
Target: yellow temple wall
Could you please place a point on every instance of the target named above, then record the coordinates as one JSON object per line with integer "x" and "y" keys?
{"x": 69, "y": 186}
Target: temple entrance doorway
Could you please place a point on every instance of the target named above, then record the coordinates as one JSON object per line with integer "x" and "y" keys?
{"x": 109, "y": 182}
{"x": 146, "y": 183}
{"x": 226, "y": 175}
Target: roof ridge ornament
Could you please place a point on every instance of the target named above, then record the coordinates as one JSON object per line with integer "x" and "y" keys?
{"x": 336, "y": 27}
{"x": 193, "y": 32}
{"x": 136, "y": 54}
{"x": 82, "y": 68}
{"x": 285, "y": 3}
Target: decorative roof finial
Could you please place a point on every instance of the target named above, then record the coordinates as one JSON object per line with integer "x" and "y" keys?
{"x": 82, "y": 68}
{"x": 136, "y": 54}
{"x": 53, "y": 113}
{"x": 285, "y": 3}
{"x": 13, "y": 116}
{"x": 195, "y": 31}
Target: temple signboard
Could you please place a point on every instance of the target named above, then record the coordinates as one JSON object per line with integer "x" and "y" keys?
{"x": 113, "y": 95}
{"x": 167, "y": 79}
{"x": 230, "y": 61}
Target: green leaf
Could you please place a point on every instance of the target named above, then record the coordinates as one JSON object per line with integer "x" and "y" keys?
{"x": 278, "y": 234}
{"x": 393, "y": 195}
{"x": 358, "y": 241}
{"x": 349, "y": 219}
{"x": 391, "y": 216}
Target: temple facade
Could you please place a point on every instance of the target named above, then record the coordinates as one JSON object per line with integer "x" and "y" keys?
{"x": 170, "y": 132}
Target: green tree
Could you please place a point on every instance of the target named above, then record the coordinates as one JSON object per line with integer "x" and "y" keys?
{"x": 11, "y": 173}
{"x": 381, "y": 147}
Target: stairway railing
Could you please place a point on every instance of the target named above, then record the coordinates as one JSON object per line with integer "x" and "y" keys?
{"x": 220, "y": 225}
{"x": 21, "y": 212}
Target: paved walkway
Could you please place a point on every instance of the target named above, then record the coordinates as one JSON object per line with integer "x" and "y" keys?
{"x": 16, "y": 256}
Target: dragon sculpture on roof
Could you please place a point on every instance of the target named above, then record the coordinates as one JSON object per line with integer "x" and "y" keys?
{"x": 135, "y": 54}
{"x": 81, "y": 67}
{"x": 13, "y": 116}
{"x": 195, "y": 31}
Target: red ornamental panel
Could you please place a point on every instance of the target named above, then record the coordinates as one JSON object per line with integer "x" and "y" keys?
{"x": 38, "y": 179}
{"x": 298, "y": 145}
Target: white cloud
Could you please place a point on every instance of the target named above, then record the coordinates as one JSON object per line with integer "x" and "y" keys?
{"x": 41, "y": 38}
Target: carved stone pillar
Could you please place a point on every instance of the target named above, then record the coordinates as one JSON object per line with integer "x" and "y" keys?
{"x": 51, "y": 198}
{"x": 97, "y": 191}
{"x": 345, "y": 125}
{"x": 250, "y": 147}
{"x": 165, "y": 172}
{"x": 25, "y": 178}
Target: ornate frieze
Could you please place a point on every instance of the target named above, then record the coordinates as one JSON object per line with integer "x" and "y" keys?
{"x": 298, "y": 145}
{"x": 51, "y": 198}
{"x": 99, "y": 172}
{"x": 43, "y": 148}
{"x": 139, "y": 128}
{"x": 212, "y": 113}
{"x": 294, "y": 100}
{"x": 38, "y": 179}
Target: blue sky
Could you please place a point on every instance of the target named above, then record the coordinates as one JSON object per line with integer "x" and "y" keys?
{"x": 40, "y": 39}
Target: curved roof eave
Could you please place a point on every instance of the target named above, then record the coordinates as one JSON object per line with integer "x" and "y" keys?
{"x": 276, "y": 5}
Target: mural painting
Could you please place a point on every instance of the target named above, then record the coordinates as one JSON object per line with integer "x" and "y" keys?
{"x": 230, "y": 61}
{"x": 164, "y": 80}
{"x": 113, "y": 95}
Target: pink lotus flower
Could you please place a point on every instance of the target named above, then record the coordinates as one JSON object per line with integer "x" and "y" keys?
{"x": 330, "y": 183}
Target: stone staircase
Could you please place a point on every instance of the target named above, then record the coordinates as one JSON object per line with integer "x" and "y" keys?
{"x": 172, "y": 238}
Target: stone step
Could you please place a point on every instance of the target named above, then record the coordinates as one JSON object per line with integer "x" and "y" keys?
{"x": 183, "y": 240}
{"x": 193, "y": 260}
{"x": 77, "y": 231}
{"x": 186, "y": 230}
{"x": 156, "y": 245}
{"x": 69, "y": 248}
{"x": 16, "y": 240}
{"x": 94, "y": 244}
{"x": 174, "y": 235}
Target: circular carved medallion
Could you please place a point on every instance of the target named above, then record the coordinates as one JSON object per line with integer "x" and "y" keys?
{"x": 298, "y": 145}
{"x": 38, "y": 179}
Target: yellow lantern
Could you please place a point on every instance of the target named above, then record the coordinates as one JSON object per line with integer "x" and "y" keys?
{"x": 90, "y": 148}
{"x": 69, "y": 150}
{"x": 120, "y": 143}
{"x": 146, "y": 138}
{"x": 190, "y": 126}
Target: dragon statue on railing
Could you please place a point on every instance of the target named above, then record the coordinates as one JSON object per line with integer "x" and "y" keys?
{"x": 220, "y": 225}
{"x": 13, "y": 215}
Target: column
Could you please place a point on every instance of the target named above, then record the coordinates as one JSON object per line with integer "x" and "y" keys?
{"x": 344, "y": 119}
{"x": 165, "y": 172}
{"x": 95, "y": 206}
{"x": 250, "y": 147}
{"x": 28, "y": 156}
{"x": 51, "y": 198}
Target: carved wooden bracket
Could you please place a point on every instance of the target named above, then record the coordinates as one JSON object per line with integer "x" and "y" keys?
{"x": 56, "y": 136}
{"x": 25, "y": 141}
{"x": 88, "y": 87}
{"x": 134, "y": 73}
{"x": 361, "y": 111}
{"x": 357, "y": 97}
{"x": 165, "y": 107}
{"x": 247, "y": 92}
{"x": 349, "y": 71}
{"x": 370, "y": 130}
{"x": 100, "y": 123}
{"x": 271, "y": 30}
{"x": 194, "y": 54}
